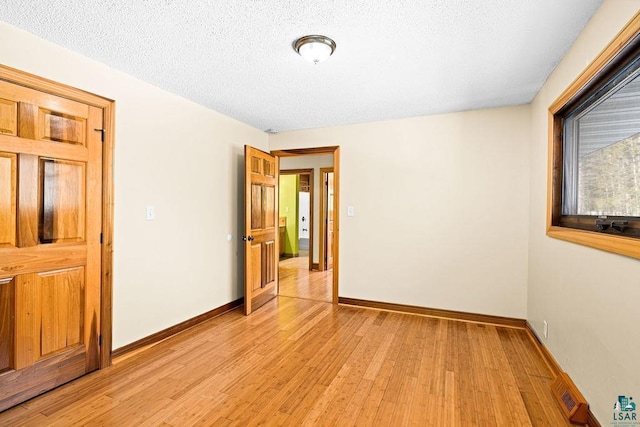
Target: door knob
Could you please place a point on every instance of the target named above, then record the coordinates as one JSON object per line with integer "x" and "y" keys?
{"x": 249, "y": 238}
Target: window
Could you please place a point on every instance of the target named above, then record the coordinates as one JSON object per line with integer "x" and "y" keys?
{"x": 595, "y": 152}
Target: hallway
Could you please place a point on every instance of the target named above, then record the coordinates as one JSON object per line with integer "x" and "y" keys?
{"x": 297, "y": 281}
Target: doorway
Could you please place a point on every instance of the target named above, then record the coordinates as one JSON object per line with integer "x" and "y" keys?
{"x": 296, "y": 215}
{"x": 303, "y": 276}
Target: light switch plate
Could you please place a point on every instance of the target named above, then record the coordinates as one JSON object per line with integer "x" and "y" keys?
{"x": 151, "y": 213}
{"x": 351, "y": 211}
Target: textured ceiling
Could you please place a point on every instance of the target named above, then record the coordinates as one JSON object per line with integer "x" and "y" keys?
{"x": 394, "y": 58}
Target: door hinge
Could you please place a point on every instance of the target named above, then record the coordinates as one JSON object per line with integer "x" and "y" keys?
{"x": 100, "y": 340}
{"x": 100, "y": 238}
{"x": 102, "y": 131}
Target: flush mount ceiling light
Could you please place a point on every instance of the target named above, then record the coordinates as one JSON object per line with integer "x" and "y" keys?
{"x": 315, "y": 49}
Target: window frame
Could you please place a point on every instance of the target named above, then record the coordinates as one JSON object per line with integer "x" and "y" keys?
{"x": 581, "y": 229}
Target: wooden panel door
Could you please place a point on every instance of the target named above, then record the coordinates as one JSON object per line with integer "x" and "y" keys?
{"x": 327, "y": 208}
{"x": 261, "y": 228}
{"x": 330, "y": 211}
{"x": 50, "y": 228}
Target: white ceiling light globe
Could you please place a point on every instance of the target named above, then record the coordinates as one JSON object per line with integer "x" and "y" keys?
{"x": 315, "y": 49}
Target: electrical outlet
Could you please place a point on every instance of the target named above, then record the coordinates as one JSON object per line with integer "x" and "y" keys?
{"x": 546, "y": 330}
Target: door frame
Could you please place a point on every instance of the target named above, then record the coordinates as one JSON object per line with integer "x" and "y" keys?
{"x": 42, "y": 84}
{"x": 335, "y": 150}
{"x": 309, "y": 172}
{"x": 322, "y": 264}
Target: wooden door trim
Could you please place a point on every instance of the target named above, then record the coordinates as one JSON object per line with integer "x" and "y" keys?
{"x": 42, "y": 84}
{"x": 335, "y": 150}
{"x": 309, "y": 172}
{"x": 323, "y": 218}
{"x": 306, "y": 151}
{"x": 106, "y": 297}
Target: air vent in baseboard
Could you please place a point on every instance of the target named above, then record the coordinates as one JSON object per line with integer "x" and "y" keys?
{"x": 571, "y": 401}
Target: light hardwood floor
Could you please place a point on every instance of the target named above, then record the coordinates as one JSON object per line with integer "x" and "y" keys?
{"x": 301, "y": 362}
{"x": 297, "y": 281}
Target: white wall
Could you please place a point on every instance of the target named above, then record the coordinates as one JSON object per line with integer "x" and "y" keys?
{"x": 590, "y": 298}
{"x": 315, "y": 163}
{"x": 441, "y": 209}
{"x": 171, "y": 153}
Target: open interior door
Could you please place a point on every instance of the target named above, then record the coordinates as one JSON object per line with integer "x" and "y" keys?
{"x": 261, "y": 172}
{"x": 329, "y": 245}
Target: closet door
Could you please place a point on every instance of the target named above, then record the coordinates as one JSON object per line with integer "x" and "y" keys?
{"x": 50, "y": 230}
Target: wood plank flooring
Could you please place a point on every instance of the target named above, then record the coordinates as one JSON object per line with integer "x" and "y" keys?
{"x": 302, "y": 362}
{"x": 297, "y": 281}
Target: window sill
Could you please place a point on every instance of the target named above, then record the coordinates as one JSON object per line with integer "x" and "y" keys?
{"x": 621, "y": 245}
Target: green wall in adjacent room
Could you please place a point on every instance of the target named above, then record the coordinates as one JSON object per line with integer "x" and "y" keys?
{"x": 288, "y": 207}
